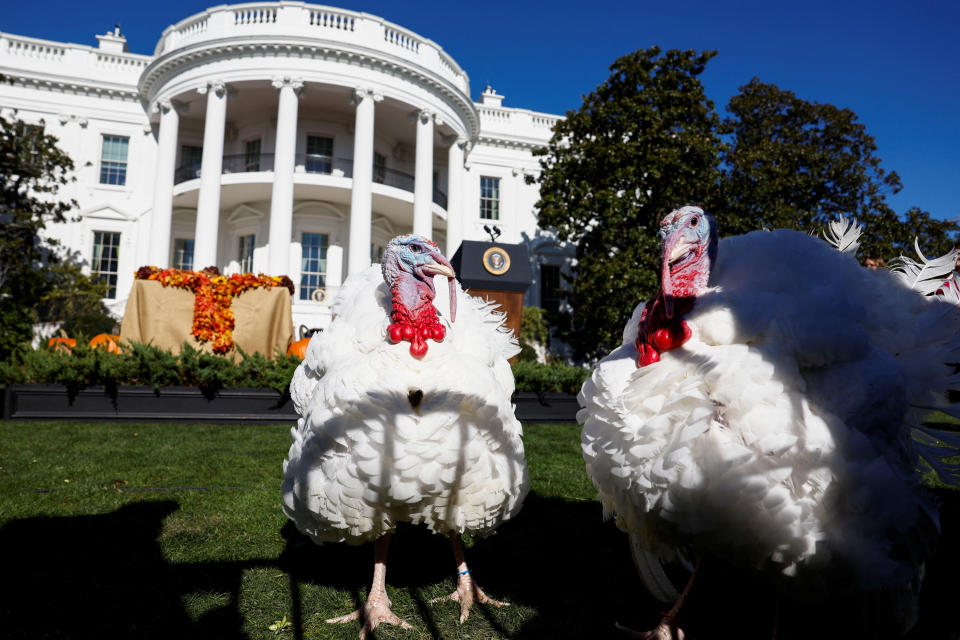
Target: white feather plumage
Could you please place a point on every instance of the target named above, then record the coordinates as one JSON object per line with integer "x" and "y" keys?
{"x": 780, "y": 436}
{"x": 363, "y": 458}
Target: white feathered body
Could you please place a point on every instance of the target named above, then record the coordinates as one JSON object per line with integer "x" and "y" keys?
{"x": 780, "y": 436}
{"x": 364, "y": 458}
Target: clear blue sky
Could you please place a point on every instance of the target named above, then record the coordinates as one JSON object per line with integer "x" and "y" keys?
{"x": 896, "y": 63}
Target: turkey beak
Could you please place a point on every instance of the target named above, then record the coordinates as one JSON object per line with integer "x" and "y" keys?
{"x": 442, "y": 267}
{"x": 672, "y": 248}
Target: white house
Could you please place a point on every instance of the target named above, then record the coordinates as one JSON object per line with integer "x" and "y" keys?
{"x": 278, "y": 137}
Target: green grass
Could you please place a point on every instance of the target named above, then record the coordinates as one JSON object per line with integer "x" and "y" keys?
{"x": 176, "y": 531}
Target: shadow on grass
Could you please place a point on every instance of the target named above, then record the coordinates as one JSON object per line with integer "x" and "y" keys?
{"x": 105, "y": 575}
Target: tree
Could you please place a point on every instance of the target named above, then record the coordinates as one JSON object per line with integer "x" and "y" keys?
{"x": 36, "y": 282}
{"x": 643, "y": 143}
{"x": 798, "y": 164}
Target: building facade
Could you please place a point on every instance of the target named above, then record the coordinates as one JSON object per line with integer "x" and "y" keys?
{"x": 284, "y": 138}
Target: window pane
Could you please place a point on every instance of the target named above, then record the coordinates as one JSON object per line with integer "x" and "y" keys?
{"x": 113, "y": 160}
{"x": 379, "y": 168}
{"x": 319, "y": 154}
{"x": 489, "y": 198}
{"x": 245, "y": 254}
{"x": 105, "y": 260}
{"x": 550, "y": 292}
{"x": 313, "y": 263}
{"x": 183, "y": 253}
{"x": 251, "y": 155}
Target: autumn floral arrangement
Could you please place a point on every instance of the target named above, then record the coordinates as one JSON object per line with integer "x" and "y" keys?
{"x": 212, "y": 316}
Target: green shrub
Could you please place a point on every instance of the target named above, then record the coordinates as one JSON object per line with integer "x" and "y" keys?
{"x": 552, "y": 377}
{"x": 143, "y": 364}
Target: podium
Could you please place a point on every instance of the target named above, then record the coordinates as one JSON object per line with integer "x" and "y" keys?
{"x": 496, "y": 271}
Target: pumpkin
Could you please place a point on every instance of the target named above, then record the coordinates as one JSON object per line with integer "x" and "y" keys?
{"x": 298, "y": 348}
{"x": 62, "y": 345}
{"x": 106, "y": 341}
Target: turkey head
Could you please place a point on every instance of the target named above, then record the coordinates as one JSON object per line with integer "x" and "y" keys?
{"x": 409, "y": 265}
{"x": 688, "y": 240}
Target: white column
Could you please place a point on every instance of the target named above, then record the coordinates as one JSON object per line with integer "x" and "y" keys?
{"x": 211, "y": 167}
{"x": 361, "y": 198}
{"x": 281, "y": 201}
{"x": 455, "y": 195}
{"x": 162, "y": 214}
{"x": 423, "y": 176}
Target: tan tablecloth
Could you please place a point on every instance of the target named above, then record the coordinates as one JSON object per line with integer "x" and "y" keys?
{"x": 163, "y": 316}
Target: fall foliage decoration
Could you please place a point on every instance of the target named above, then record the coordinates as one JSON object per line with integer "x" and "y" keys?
{"x": 212, "y": 316}
{"x": 62, "y": 344}
{"x": 110, "y": 342}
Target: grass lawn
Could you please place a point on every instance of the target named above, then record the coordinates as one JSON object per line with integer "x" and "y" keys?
{"x": 176, "y": 531}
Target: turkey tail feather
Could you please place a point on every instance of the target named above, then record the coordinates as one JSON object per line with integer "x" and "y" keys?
{"x": 925, "y": 276}
{"x": 844, "y": 235}
{"x": 940, "y": 450}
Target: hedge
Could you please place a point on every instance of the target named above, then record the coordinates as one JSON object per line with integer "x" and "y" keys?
{"x": 142, "y": 364}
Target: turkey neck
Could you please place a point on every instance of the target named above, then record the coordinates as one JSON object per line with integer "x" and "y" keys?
{"x": 412, "y": 299}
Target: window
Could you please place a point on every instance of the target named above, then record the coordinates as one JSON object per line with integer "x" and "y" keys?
{"x": 376, "y": 253}
{"x": 113, "y": 160}
{"x": 489, "y": 198}
{"x": 251, "y": 155}
{"x": 313, "y": 263}
{"x": 245, "y": 254}
{"x": 190, "y": 160}
{"x": 550, "y": 291}
{"x": 183, "y": 253}
{"x": 319, "y": 154}
{"x": 105, "y": 260}
{"x": 379, "y": 168}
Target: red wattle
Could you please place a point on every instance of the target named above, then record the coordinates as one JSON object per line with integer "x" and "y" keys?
{"x": 395, "y": 333}
{"x": 648, "y": 355}
{"x": 408, "y": 332}
{"x": 671, "y": 337}
{"x": 439, "y": 332}
{"x": 418, "y": 348}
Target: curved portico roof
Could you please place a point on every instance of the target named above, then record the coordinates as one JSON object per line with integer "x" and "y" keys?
{"x": 314, "y": 43}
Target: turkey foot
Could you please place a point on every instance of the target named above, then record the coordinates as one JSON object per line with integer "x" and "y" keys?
{"x": 466, "y": 592}
{"x": 377, "y": 607}
{"x": 668, "y": 628}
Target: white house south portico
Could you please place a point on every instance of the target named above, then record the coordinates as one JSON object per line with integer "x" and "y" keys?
{"x": 283, "y": 138}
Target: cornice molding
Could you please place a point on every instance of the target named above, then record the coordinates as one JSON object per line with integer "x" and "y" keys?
{"x": 75, "y": 86}
{"x": 508, "y": 143}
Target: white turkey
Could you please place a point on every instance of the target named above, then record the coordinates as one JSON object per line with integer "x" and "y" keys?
{"x": 395, "y": 432}
{"x": 766, "y": 408}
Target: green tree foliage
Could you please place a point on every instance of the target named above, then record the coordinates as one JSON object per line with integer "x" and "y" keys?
{"x": 798, "y": 164}
{"x": 643, "y": 142}
{"x": 36, "y": 282}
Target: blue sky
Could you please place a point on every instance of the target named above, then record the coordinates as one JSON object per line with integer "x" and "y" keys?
{"x": 895, "y": 63}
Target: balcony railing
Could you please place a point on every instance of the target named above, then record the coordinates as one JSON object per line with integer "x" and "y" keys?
{"x": 311, "y": 163}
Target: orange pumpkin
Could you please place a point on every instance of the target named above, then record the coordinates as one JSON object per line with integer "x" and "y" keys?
{"x": 106, "y": 341}
{"x": 298, "y": 348}
{"x": 62, "y": 345}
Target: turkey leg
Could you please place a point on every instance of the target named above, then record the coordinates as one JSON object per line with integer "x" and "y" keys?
{"x": 377, "y": 607}
{"x": 668, "y": 628}
{"x": 467, "y": 591}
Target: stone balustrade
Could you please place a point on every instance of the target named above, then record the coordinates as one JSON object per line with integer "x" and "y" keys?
{"x": 75, "y": 61}
{"x": 297, "y": 19}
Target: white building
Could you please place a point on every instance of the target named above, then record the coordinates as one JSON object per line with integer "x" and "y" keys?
{"x": 280, "y": 137}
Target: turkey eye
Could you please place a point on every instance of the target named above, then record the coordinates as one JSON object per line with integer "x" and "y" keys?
{"x": 694, "y": 222}
{"x": 416, "y": 248}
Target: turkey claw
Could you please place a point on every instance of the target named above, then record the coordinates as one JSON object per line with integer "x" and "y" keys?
{"x": 664, "y": 631}
{"x": 466, "y": 595}
{"x": 372, "y": 614}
